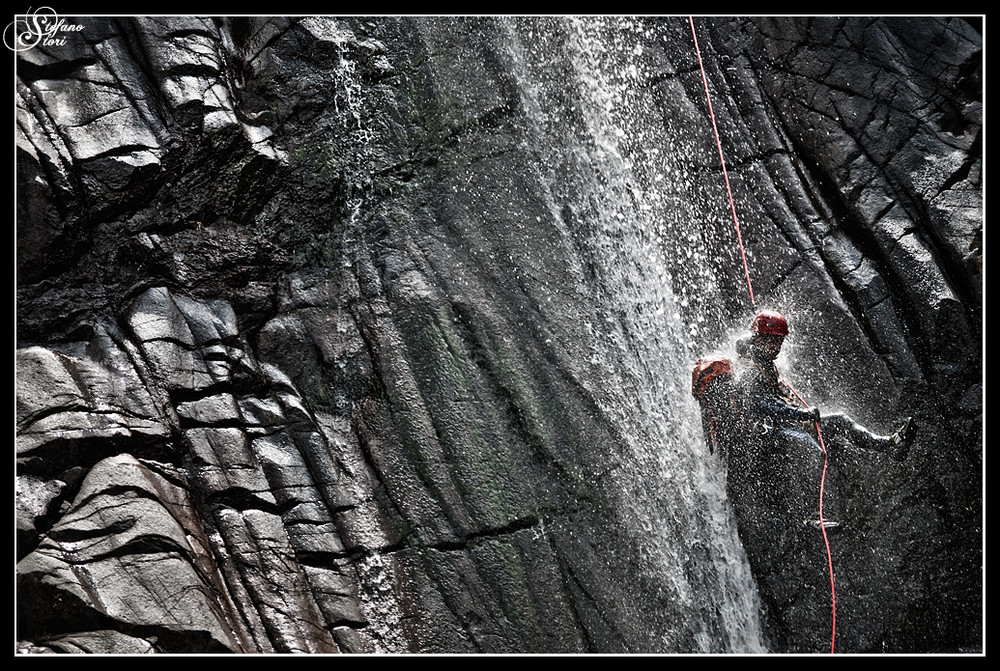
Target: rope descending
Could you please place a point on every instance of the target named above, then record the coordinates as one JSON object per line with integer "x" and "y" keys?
{"x": 753, "y": 301}
{"x": 725, "y": 173}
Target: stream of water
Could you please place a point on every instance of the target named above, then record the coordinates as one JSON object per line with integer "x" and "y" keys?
{"x": 585, "y": 83}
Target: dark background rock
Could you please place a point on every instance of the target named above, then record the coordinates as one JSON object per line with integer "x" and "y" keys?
{"x": 372, "y": 334}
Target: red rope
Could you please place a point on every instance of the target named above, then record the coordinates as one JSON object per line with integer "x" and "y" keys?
{"x": 746, "y": 269}
{"x": 725, "y": 173}
{"x": 822, "y": 526}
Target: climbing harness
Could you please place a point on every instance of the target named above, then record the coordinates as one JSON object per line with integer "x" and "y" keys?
{"x": 822, "y": 524}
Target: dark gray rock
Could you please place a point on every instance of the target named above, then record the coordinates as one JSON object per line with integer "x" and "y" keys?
{"x": 372, "y": 334}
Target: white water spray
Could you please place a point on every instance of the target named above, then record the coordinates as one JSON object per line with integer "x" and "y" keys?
{"x": 585, "y": 86}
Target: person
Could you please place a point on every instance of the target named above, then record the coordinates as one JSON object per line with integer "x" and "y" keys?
{"x": 777, "y": 480}
{"x": 780, "y": 427}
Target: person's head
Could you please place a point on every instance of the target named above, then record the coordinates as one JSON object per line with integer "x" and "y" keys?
{"x": 769, "y": 329}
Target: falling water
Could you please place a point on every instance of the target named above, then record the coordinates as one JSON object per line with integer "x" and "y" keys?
{"x": 621, "y": 189}
{"x": 614, "y": 170}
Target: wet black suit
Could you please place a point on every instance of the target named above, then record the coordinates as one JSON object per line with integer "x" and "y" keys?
{"x": 775, "y": 466}
{"x": 780, "y": 435}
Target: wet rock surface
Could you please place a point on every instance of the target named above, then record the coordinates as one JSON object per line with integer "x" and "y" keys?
{"x": 372, "y": 334}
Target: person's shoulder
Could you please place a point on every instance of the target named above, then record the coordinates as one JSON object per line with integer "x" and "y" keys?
{"x": 752, "y": 373}
{"x": 744, "y": 369}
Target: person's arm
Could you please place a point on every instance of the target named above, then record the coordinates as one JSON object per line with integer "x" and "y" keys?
{"x": 760, "y": 398}
{"x": 775, "y": 409}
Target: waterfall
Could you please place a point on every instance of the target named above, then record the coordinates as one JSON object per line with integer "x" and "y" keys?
{"x": 618, "y": 185}
{"x": 626, "y": 199}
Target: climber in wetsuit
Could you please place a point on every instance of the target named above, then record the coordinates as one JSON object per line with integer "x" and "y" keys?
{"x": 777, "y": 428}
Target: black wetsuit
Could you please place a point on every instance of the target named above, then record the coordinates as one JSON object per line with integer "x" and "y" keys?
{"x": 775, "y": 466}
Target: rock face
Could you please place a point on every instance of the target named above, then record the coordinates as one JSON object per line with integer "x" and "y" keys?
{"x": 373, "y": 334}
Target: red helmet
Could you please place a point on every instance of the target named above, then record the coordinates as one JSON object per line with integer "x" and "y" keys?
{"x": 770, "y": 322}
